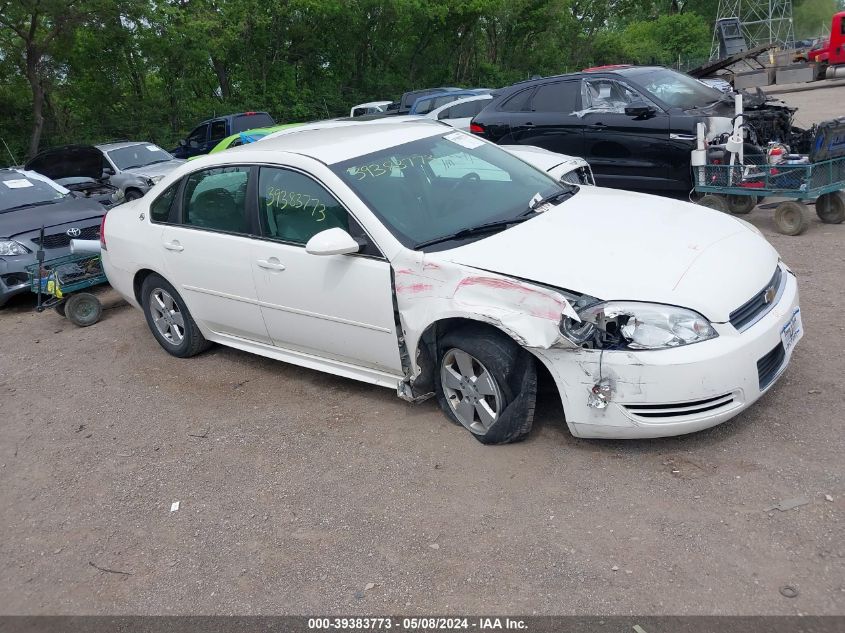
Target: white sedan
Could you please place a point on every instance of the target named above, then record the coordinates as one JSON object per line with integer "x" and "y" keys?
{"x": 371, "y": 252}
{"x": 459, "y": 113}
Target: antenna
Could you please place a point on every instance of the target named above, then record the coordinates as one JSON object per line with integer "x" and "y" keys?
{"x": 12, "y": 156}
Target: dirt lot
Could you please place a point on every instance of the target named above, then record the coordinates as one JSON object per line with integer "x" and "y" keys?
{"x": 299, "y": 489}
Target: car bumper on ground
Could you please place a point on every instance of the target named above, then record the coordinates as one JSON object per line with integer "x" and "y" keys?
{"x": 670, "y": 392}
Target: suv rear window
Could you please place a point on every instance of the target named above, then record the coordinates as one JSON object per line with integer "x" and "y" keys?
{"x": 243, "y": 122}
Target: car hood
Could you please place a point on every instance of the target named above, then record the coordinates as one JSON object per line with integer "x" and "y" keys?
{"x": 158, "y": 169}
{"x": 82, "y": 161}
{"x": 71, "y": 209}
{"x": 616, "y": 245}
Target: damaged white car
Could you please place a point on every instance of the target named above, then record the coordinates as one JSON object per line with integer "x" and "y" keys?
{"x": 375, "y": 253}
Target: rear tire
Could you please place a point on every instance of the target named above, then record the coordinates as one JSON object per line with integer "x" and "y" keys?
{"x": 715, "y": 202}
{"x": 831, "y": 207}
{"x": 169, "y": 319}
{"x": 83, "y": 309}
{"x": 487, "y": 383}
{"x": 741, "y": 205}
{"x": 791, "y": 217}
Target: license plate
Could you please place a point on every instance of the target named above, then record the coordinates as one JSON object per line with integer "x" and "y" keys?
{"x": 792, "y": 331}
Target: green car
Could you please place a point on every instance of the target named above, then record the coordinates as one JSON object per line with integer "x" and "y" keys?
{"x": 247, "y": 136}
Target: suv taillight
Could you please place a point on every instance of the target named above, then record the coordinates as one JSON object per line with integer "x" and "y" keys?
{"x": 103, "y": 233}
{"x": 475, "y": 128}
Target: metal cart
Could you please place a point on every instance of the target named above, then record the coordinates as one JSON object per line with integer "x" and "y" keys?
{"x": 58, "y": 282}
{"x": 737, "y": 188}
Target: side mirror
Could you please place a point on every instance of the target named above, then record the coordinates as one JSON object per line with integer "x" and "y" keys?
{"x": 639, "y": 109}
{"x": 193, "y": 145}
{"x": 108, "y": 171}
{"x": 334, "y": 241}
{"x": 182, "y": 142}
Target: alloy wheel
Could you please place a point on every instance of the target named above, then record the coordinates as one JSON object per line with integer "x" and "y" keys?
{"x": 167, "y": 316}
{"x": 471, "y": 391}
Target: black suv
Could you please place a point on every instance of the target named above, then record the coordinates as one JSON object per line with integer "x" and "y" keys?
{"x": 635, "y": 125}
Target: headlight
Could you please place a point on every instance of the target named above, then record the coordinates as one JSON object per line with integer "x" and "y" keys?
{"x": 634, "y": 325}
{"x": 11, "y": 247}
{"x": 154, "y": 179}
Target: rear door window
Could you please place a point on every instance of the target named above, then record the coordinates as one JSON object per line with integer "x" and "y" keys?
{"x": 561, "y": 96}
{"x": 464, "y": 110}
{"x": 519, "y": 102}
{"x": 215, "y": 199}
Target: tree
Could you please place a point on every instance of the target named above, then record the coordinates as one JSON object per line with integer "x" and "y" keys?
{"x": 33, "y": 31}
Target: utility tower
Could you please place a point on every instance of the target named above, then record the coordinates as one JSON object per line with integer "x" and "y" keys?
{"x": 763, "y": 22}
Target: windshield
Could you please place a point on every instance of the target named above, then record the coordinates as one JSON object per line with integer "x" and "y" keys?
{"x": 18, "y": 189}
{"x": 677, "y": 89}
{"x": 139, "y": 155}
{"x": 443, "y": 184}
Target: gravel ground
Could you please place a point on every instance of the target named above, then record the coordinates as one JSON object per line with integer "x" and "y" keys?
{"x": 305, "y": 493}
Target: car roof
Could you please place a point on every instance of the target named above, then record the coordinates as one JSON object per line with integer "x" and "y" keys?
{"x": 610, "y": 69}
{"x": 121, "y": 144}
{"x": 336, "y": 141}
{"x": 482, "y": 97}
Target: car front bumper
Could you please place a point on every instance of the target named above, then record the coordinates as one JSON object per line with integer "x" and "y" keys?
{"x": 13, "y": 276}
{"x": 668, "y": 392}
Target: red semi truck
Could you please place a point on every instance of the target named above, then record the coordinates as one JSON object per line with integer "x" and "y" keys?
{"x": 831, "y": 53}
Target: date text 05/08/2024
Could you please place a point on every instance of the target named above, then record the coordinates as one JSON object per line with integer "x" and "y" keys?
{"x": 416, "y": 623}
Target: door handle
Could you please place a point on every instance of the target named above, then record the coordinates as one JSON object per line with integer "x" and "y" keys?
{"x": 174, "y": 246}
{"x": 270, "y": 264}
{"x": 598, "y": 126}
{"x": 682, "y": 137}
{"x": 528, "y": 124}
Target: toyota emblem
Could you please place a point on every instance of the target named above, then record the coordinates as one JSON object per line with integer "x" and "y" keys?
{"x": 74, "y": 232}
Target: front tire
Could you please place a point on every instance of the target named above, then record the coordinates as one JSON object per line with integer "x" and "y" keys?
{"x": 83, "y": 309}
{"x": 486, "y": 383}
{"x": 169, "y": 319}
{"x": 791, "y": 217}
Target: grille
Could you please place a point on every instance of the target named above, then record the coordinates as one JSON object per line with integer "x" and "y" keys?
{"x": 757, "y": 306}
{"x": 769, "y": 366}
{"x": 680, "y": 409}
{"x": 60, "y": 240}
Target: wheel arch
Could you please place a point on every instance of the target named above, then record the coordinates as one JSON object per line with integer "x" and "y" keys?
{"x": 424, "y": 352}
{"x": 138, "y": 281}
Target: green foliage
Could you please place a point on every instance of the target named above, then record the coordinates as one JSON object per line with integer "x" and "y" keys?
{"x": 151, "y": 69}
{"x": 666, "y": 39}
{"x": 812, "y": 17}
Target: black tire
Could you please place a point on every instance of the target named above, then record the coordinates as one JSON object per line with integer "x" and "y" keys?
{"x": 831, "y": 208}
{"x": 715, "y": 202}
{"x": 192, "y": 342}
{"x": 791, "y": 217}
{"x": 133, "y": 194}
{"x": 512, "y": 369}
{"x": 83, "y": 309}
{"x": 741, "y": 205}
{"x": 60, "y": 308}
